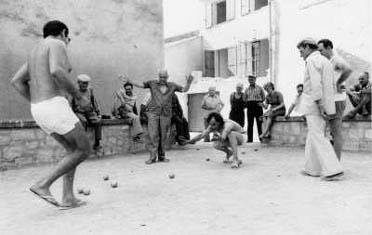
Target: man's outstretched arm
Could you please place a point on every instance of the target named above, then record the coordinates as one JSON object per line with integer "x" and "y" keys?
{"x": 57, "y": 58}
{"x": 189, "y": 80}
{"x": 199, "y": 137}
{"x": 20, "y": 82}
{"x": 126, "y": 79}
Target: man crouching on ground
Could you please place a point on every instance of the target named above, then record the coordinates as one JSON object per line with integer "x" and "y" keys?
{"x": 229, "y": 137}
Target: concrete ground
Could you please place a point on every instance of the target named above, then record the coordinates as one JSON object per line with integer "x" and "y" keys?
{"x": 266, "y": 196}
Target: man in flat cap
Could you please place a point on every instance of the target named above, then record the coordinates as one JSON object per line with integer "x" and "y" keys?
{"x": 159, "y": 111}
{"x": 317, "y": 104}
{"x": 86, "y": 109}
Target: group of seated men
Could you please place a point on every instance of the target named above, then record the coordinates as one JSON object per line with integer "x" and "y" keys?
{"x": 125, "y": 108}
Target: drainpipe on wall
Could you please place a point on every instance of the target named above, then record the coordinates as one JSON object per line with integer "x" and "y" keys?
{"x": 271, "y": 74}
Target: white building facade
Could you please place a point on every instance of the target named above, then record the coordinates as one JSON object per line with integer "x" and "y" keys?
{"x": 259, "y": 37}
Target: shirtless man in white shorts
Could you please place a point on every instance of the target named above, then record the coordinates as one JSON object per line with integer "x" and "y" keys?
{"x": 42, "y": 81}
{"x": 229, "y": 137}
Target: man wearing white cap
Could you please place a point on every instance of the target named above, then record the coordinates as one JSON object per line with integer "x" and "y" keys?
{"x": 159, "y": 111}
{"x": 317, "y": 104}
{"x": 86, "y": 108}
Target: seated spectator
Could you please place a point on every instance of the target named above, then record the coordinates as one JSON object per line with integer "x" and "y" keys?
{"x": 275, "y": 102}
{"x": 182, "y": 126}
{"x": 300, "y": 88}
{"x": 360, "y": 97}
{"x": 86, "y": 109}
{"x": 125, "y": 108}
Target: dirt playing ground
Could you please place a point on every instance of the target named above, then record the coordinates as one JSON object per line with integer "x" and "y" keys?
{"x": 266, "y": 196}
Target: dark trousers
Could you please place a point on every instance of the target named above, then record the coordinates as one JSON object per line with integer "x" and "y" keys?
{"x": 158, "y": 129}
{"x": 92, "y": 123}
{"x": 361, "y": 106}
{"x": 254, "y": 111}
{"x": 182, "y": 129}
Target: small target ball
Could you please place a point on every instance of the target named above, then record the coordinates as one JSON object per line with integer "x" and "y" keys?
{"x": 106, "y": 177}
{"x": 171, "y": 176}
{"x": 243, "y": 153}
{"x": 197, "y": 149}
{"x": 80, "y": 190}
{"x": 114, "y": 185}
{"x": 207, "y": 159}
{"x": 86, "y": 192}
{"x": 255, "y": 150}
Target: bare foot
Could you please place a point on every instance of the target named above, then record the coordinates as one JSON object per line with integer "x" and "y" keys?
{"x": 236, "y": 163}
{"x": 44, "y": 193}
{"x": 71, "y": 203}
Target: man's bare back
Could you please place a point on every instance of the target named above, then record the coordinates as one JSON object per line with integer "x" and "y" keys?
{"x": 43, "y": 85}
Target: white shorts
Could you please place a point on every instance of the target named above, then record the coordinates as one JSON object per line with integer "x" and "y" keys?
{"x": 54, "y": 115}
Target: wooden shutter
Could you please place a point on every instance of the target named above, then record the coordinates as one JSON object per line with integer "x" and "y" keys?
{"x": 245, "y": 6}
{"x": 242, "y": 59}
{"x": 230, "y": 9}
{"x": 231, "y": 60}
{"x": 249, "y": 59}
{"x": 263, "y": 60}
{"x": 252, "y": 4}
{"x": 208, "y": 15}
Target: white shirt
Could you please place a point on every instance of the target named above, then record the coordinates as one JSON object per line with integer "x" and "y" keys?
{"x": 339, "y": 65}
{"x": 319, "y": 84}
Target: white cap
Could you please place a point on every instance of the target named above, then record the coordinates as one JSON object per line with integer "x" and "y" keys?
{"x": 83, "y": 78}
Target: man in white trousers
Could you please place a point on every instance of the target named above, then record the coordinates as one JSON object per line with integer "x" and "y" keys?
{"x": 318, "y": 102}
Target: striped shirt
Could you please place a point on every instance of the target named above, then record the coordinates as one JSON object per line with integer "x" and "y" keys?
{"x": 254, "y": 93}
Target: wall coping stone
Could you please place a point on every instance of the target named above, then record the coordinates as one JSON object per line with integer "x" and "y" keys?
{"x": 358, "y": 118}
{"x": 30, "y": 124}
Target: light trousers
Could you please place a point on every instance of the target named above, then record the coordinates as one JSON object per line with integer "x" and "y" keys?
{"x": 320, "y": 156}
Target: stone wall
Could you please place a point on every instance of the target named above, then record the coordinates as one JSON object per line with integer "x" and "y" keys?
{"x": 22, "y": 143}
{"x": 109, "y": 37}
{"x": 292, "y": 132}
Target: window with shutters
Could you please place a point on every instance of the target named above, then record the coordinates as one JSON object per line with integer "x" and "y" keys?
{"x": 232, "y": 59}
{"x": 244, "y": 67}
{"x": 219, "y": 12}
{"x": 209, "y": 64}
{"x": 248, "y": 6}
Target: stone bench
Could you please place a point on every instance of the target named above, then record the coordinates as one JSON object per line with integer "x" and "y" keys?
{"x": 23, "y": 143}
{"x": 357, "y": 133}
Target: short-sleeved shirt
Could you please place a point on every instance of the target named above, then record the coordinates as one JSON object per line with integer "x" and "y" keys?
{"x": 359, "y": 88}
{"x": 122, "y": 100}
{"x": 212, "y": 102}
{"x": 254, "y": 93}
{"x": 274, "y": 98}
{"x": 338, "y": 64}
{"x": 86, "y": 103}
{"x": 161, "y": 96}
